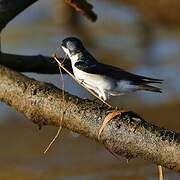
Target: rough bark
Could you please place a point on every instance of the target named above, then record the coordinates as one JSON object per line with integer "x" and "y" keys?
{"x": 127, "y": 135}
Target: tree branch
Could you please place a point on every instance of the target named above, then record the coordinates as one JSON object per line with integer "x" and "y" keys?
{"x": 127, "y": 135}
{"x": 83, "y": 7}
{"x": 37, "y": 64}
{"x": 11, "y": 8}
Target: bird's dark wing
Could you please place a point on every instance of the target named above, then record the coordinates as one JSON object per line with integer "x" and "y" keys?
{"x": 120, "y": 74}
{"x": 114, "y": 72}
{"x": 87, "y": 67}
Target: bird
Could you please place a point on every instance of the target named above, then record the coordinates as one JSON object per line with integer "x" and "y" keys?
{"x": 105, "y": 80}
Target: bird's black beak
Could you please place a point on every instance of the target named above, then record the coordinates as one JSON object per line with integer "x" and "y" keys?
{"x": 63, "y": 44}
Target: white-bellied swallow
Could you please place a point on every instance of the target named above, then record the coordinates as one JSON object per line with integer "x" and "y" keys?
{"x": 103, "y": 79}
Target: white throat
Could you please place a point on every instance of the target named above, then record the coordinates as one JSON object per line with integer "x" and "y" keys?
{"x": 74, "y": 58}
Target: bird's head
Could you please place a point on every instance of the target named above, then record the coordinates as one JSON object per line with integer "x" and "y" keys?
{"x": 72, "y": 46}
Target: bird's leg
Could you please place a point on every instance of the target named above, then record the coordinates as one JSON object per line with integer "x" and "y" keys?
{"x": 98, "y": 100}
{"x": 81, "y": 81}
{"x": 101, "y": 95}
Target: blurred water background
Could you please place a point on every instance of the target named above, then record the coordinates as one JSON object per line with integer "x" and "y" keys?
{"x": 119, "y": 38}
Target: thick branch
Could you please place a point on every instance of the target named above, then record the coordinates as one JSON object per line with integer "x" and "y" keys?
{"x": 129, "y": 135}
{"x": 11, "y": 8}
{"x": 37, "y": 64}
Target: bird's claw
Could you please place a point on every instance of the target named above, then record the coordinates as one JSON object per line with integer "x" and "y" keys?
{"x": 81, "y": 81}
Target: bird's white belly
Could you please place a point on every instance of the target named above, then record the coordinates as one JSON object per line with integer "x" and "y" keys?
{"x": 93, "y": 81}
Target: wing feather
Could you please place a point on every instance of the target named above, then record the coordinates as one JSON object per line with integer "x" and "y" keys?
{"x": 114, "y": 72}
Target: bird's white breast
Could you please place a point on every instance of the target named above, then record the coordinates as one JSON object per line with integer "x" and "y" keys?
{"x": 99, "y": 83}
{"x": 92, "y": 80}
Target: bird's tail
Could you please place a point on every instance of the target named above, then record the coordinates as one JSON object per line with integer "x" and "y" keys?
{"x": 150, "y": 88}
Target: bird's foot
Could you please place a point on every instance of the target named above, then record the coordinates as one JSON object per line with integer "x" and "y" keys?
{"x": 108, "y": 118}
{"x": 98, "y": 101}
{"x": 81, "y": 81}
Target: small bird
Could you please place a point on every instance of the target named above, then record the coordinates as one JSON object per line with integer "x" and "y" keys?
{"x": 105, "y": 80}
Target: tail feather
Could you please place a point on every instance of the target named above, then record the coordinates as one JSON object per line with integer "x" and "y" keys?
{"x": 151, "y": 80}
{"x": 150, "y": 88}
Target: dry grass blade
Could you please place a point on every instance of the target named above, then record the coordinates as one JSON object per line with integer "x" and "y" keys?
{"x": 53, "y": 140}
{"x": 160, "y": 172}
{"x": 108, "y": 118}
{"x": 62, "y": 114}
